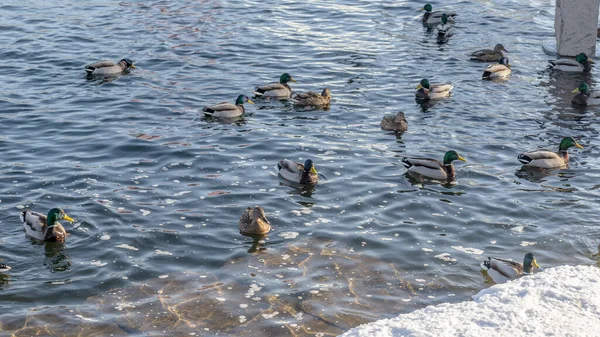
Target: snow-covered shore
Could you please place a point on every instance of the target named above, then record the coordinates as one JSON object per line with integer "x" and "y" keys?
{"x": 560, "y": 301}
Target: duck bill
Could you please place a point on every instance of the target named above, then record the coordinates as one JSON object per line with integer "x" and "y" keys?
{"x": 68, "y": 218}
{"x": 419, "y": 86}
{"x": 591, "y": 61}
{"x": 576, "y": 90}
{"x": 292, "y": 80}
{"x": 313, "y": 170}
{"x": 578, "y": 146}
{"x": 535, "y": 264}
{"x": 461, "y": 159}
{"x": 421, "y": 9}
{"x": 250, "y": 101}
{"x": 132, "y": 66}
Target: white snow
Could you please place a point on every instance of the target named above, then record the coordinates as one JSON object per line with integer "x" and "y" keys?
{"x": 560, "y": 301}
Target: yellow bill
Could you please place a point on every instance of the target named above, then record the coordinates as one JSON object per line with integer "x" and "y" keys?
{"x": 461, "y": 158}
{"x": 68, "y": 218}
{"x": 578, "y": 146}
{"x": 313, "y": 170}
{"x": 250, "y": 101}
{"x": 576, "y": 90}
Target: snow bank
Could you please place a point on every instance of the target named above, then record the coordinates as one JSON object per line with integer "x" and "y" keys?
{"x": 561, "y": 301}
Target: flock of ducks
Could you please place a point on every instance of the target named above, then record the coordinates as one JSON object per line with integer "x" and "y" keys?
{"x": 254, "y": 221}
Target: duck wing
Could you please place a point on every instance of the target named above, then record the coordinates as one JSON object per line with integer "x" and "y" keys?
{"x": 268, "y": 87}
{"x": 423, "y": 162}
{"x": 528, "y": 157}
{"x": 102, "y": 64}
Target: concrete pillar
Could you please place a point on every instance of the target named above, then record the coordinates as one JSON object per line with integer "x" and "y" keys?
{"x": 575, "y": 25}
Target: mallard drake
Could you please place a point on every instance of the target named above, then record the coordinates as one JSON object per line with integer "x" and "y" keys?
{"x": 45, "y": 228}
{"x": 500, "y": 69}
{"x": 109, "y": 67}
{"x": 585, "y": 97}
{"x": 502, "y": 270}
{"x": 394, "y": 123}
{"x": 425, "y": 91}
{"x": 4, "y": 268}
{"x": 228, "y": 110}
{"x": 548, "y": 159}
{"x": 431, "y": 18}
{"x": 432, "y": 168}
{"x": 279, "y": 90}
{"x": 581, "y": 63}
{"x": 488, "y": 55}
{"x": 298, "y": 173}
{"x": 314, "y": 99}
{"x": 254, "y": 221}
{"x": 444, "y": 28}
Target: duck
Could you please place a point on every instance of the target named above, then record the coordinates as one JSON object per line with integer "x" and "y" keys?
{"x": 444, "y": 28}
{"x": 581, "y": 63}
{"x": 279, "y": 90}
{"x": 502, "y": 270}
{"x": 109, "y": 67}
{"x": 394, "y": 123}
{"x": 45, "y": 227}
{"x": 432, "y": 168}
{"x": 425, "y": 91}
{"x": 298, "y": 173}
{"x": 498, "y": 70}
{"x": 313, "y": 99}
{"x": 432, "y": 18}
{"x": 254, "y": 221}
{"x": 548, "y": 159}
{"x": 585, "y": 97}
{"x": 488, "y": 55}
{"x": 228, "y": 110}
{"x": 4, "y": 268}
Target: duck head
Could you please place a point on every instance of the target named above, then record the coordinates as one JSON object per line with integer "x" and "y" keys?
{"x": 285, "y": 77}
{"x": 568, "y": 142}
{"x": 309, "y": 166}
{"x": 529, "y": 262}
{"x": 241, "y": 99}
{"x": 451, "y": 156}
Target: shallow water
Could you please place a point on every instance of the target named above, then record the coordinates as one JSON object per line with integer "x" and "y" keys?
{"x": 157, "y": 189}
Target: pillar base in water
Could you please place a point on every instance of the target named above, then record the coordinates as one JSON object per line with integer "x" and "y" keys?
{"x": 576, "y": 26}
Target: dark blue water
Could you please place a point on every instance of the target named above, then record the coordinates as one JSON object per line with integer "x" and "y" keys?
{"x": 157, "y": 189}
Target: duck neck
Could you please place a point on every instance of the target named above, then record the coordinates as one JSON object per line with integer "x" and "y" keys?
{"x": 450, "y": 172}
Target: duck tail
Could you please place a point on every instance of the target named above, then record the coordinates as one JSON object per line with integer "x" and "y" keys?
{"x": 524, "y": 159}
{"x": 406, "y": 162}
{"x": 485, "y": 265}
{"x": 486, "y": 75}
{"x": 89, "y": 69}
{"x": 22, "y": 216}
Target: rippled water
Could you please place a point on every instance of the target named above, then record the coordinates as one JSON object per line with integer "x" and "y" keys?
{"x": 157, "y": 189}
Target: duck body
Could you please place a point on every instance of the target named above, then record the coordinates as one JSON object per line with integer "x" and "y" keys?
{"x": 104, "y": 68}
{"x": 444, "y": 29}
{"x": 426, "y": 91}
{"x": 254, "y": 221}
{"x": 431, "y": 17}
{"x": 228, "y": 110}
{"x": 488, "y": 55}
{"x": 585, "y": 97}
{"x": 298, "y": 173}
{"x": 45, "y": 228}
{"x": 279, "y": 90}
{"x": 581, "y": 64}
{"x": 432, "y": 168}
{"x": 499, "y": 70}
{"x": 394, "y": 123}
{"x": 503, "y": 270}
{"x": 313, "y": 99}
{"x": 549, "y": 159}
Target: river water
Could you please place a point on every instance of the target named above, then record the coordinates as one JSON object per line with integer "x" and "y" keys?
{"x": 157, "y": 189}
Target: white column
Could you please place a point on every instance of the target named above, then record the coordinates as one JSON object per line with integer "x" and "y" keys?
{"x": 575, "y": 25}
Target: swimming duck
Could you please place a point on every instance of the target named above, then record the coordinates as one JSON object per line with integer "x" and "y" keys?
{"x": 279, "y": 90}
{"x": 431, "y": 18}
{"x": 425, "y": 91}
{"x": 502, "y": 270}
{"x": 585, "y": 97}
{"x": 4, "y": 268}
{"x": 581, "y": 63}
{"x": 254, "y": 221}
{"x": 109, "y": 67}
{"x": 228, "y": 110}
{"x": 314, "y": 99}
{"x": 500, "y": 69}
{"x": 45, "y": 228}
{"x": 298, "y": 173}
{"x": 444, "y": 28}
{"x": 548, "y": 159}
{"x": 432, "y": 168}
{"x": 394, "y": 123}
{"x": 488, "y": 55}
